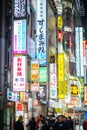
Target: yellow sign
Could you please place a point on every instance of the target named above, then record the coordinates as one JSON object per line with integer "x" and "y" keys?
{"x": 62, "y": 89}
{"x": 60, "y": 67}
{"x": 82, "y": 87}
{"x": 74, "y": 90}
{"x": 60, "y": 22}
{"x": 58, "y": 110}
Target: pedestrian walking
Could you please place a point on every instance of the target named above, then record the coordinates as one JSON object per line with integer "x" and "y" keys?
{"x": 32, "y": 124}
{"x": 18, "y": 125}
{"x": 46, "y": 125}
{"x": 51, "y": 122}
{"x": 69, "y": 123}
{"x": 59, "y": 124}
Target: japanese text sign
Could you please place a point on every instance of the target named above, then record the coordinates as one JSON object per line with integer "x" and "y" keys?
{"x": 19, "y": 73}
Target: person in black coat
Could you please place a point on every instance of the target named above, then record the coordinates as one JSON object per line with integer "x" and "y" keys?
{"x": 18, "y": 125}
{"x": 32, "y": 124}
{"x": 46, "y": 125}
{"x": 60, "y": 124}
{"x": 69, "y": 123}
{"x": 51, "y": 121}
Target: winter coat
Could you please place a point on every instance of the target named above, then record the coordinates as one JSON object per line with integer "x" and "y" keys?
{"x": 31, "y": 125}
{"x": 18, "y": 125}
{"x": 60, "y": 125}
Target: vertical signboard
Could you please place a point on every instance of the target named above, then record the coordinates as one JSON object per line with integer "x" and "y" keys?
{"x": 77, "y": 51}
{"x": 62, "y": 89}
{"x": 19, "y": 37}
{"x": 82, "y": 87}
{"x": 34, "y": 70}
{"x": 19, "y": 73}
{"x": 41, "y": 32}
{"x": 60, "y": 67}
{"x": 60, "y": 22}
{"x": 20, "y": 9}
{"x": 43, "y": 74}
{"x": 81, "y": 50}
{"x": 41, "y": 95}
{"x": 84, "y": 52}
{"x": 53, "y": 81}
{"x": 85, "y": 95}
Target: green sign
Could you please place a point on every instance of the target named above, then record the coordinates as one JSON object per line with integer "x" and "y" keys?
{"x": 43, "y": 74}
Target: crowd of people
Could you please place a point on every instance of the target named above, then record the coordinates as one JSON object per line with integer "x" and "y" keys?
{"x": 44, "y": 123}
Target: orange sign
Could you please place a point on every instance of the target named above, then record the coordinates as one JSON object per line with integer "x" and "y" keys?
{"x": 34, "y": 70}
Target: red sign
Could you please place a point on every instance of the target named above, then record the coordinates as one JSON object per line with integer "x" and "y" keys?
{"x": 60, "y": 35}
{"x": 19, "y": 106}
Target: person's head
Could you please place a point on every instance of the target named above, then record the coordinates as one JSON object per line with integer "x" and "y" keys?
{"x": 20, "y": 118}
{"x": 41, "y": 116}
{"x": 64, "y": 118}
{"x": 69, "y": 118}
{"x": 33, "y": 118}
{"x": 56, "y": 119}
{"x": 51, "y": 117}
{"x": 60, "y": 118}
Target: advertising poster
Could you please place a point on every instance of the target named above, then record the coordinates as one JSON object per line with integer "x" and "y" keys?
{"x": 41, "y": 95}
{"x": 43, "y": 74}
{"x": 20, "y": 9}
{"x": 34, "y": 70}
{"x": 61, "y": 67}
{"x": 19, "y": 37}
{"x": 19, "y": 73}
{"x": 41, "y": 32}
{"x": 53, "y": 81}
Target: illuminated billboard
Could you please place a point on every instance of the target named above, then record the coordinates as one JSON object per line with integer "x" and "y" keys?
{"x": 34, "y": 70}
{"x": 19, "y": 73}
{"x": 61, "y": 67}
{"x": 20, "y": 9}
{"x": 53, "y": 81}
{"x": 41, "y": 32}
{"x": 43, "y": 74}
{"x": 79, "y": 51}
{"x": 19, "y": 37}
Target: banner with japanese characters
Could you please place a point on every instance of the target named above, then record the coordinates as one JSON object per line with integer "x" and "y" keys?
{"x": 19, "y": 9}
{"x": 41, "y": 32}
{"x": 42, "y": 93}
{"x": 19, "y": 73}
{"x": 53, "y": 81}
{"x": 34, "y": 70}
{"x": 19, "y": 37}
{"x": 60, "y": 67}
{"x": 43, "y": 74}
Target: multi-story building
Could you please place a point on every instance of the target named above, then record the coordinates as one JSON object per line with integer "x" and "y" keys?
{"x": 41, "y": 68}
